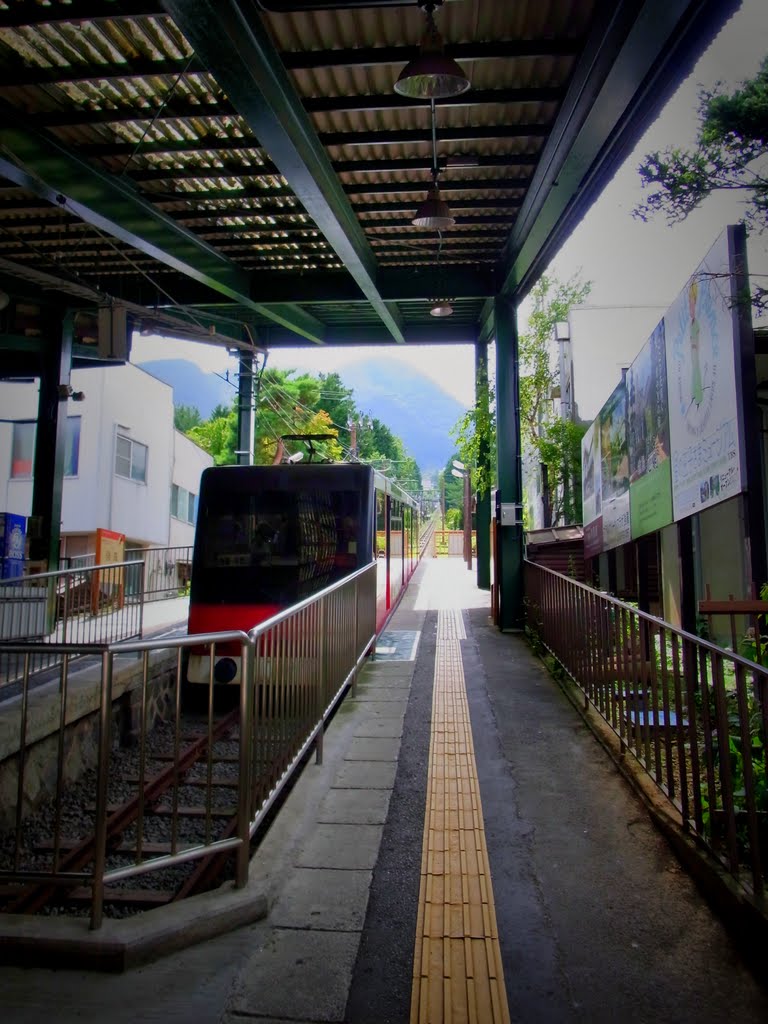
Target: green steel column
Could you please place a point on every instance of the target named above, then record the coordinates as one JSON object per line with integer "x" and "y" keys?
{"x": 50, "y": 443}
{"x": 509, "y": 537}
{"x": 483, "y": 517}
{"x": 245, "y": 410}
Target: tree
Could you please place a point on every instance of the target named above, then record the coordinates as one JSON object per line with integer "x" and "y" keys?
{"x": 474, "y": 433}
{"x": 185, "y": 417}
{"x": 338, "y": 401}
{"x": 552, "y": 442}
{"x": 218, "y": 436}
{"x": 454, "y": 496}
{"x": 730, "y": 154}
{"x": 378, "y": 446}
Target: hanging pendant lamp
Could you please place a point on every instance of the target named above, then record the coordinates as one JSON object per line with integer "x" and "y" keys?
{"x": 432, "y": 75}
{"x": 433, "y": 212}
{"x": 442, "y": 307}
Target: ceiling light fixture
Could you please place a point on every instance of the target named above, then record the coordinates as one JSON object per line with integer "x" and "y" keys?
{"x": 433, "y": 75}
{"x": 433, "y": 212}
{"x": 442, "y": 307}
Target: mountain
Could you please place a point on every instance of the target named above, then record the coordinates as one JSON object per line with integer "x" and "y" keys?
{"x": 408, "y": 402}
{"x": 411, "y": 404}
{"x": 191, "y": 385}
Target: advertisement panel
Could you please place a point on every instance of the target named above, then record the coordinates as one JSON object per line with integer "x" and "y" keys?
{"x": 12, "y": 541}
{"x": 703, "y": 399}
{"x": 591, "y": 496}
{"x": 614, "y": 469}
{"x": 108, "y": 585}
{"x": 650, "y": 469}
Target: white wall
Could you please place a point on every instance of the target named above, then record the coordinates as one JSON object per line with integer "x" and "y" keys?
{"x": 188, "y": 465}
{"x": 117, "y": 398}
{"x": 604, "y": 339}
{"x": 17, "y": 402}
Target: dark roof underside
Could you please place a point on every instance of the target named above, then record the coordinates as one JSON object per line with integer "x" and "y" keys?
{"x": 255, "y": 173}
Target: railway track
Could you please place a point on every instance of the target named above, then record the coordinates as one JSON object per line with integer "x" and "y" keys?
{"x": 155, "y": 807}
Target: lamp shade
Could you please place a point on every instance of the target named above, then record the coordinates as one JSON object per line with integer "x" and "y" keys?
{"x": 433, "y": 212}
{"x": 431, "y": 76}
{"x": 442, "y": 307}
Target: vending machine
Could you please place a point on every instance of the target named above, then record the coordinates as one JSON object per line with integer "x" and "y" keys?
{"x": 13, "y": 535}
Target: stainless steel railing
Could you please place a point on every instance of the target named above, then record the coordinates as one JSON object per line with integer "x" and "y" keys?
{"x": 694, "y": 715}
{"x": 84, "y": 607}
{"x": 166, "y": 573}
{"x": 297, "y": 666}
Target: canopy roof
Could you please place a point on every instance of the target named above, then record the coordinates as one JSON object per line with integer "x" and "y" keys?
{"x": 249, "y": 168}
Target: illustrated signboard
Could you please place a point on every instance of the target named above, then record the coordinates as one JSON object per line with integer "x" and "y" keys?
{"x": 650, "y": 468}
{"x": 703, "y": 397}
{"x": 591, "y": 496}
{"x": 108, "y": 585}
{"x": 614, "y": 469}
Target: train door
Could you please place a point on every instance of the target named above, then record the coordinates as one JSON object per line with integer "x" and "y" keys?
{"x": 396, "y": 550}
{"x": 380, "y": 547}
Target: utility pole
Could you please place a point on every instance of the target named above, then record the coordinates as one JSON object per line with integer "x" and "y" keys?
{"x": 442, "y": 502}
{"x": 353, "y": 439}
{"x": 463, "y": 473}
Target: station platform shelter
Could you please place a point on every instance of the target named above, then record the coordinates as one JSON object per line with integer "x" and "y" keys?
{"x": 468, "y": 850}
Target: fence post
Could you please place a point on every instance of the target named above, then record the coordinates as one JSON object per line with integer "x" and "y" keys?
{"x": 102, "y": 782}
{"x": 322, "y": 658}
{"x": 356, "y": 635}
{"x": 247, "y": 704}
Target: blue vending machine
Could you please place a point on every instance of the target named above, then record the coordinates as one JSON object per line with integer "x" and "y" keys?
{"x": 13, "y": 530}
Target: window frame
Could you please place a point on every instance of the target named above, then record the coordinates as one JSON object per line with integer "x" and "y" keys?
{"x": 134, "y": 446}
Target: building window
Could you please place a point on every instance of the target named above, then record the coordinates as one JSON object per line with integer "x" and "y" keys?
{"x": 183, "y": 504}
{"x": 131, "y": 459}
{"x": 23, "y": 450}
{"x": 72, "y": 446}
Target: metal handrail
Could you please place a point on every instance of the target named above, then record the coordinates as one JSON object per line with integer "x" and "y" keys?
{"x": 694, "y": 715}
{"x": 296, "y": 666}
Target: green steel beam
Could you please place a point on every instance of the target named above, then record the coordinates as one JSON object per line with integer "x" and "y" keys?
{"x": 235, "y": 46}
{"x": 483, "y": 505}
{"x": 350, "y": 337}
{"x": 501, "y": 49}
{"x": 29, "y": 12}
{"x": 308, "y": 59}
{"x": 186, "y": 109}
{"x": 48, "y": 170}
{"x": 635, "y": 55}
{"x": 509, "y": 538}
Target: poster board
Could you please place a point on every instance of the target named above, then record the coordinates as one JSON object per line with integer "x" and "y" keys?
{"x": 614, "y": 469}
{"x": 684, "y": 420}
{"x": 650, "y": 467}
{"x": 108, "y": 585}
{"x": 704, "y": 402}
{"x": 591, "y": 491}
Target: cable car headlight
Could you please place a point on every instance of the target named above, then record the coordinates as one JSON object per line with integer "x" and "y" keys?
{"x": 225, "y": 670}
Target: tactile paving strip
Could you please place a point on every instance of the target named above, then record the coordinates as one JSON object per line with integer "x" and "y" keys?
{"x": 457, "y": 970}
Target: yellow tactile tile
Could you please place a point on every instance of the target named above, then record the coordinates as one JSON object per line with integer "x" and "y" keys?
{"x": 457, "y": 973}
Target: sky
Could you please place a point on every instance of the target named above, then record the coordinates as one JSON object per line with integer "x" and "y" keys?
{"x": 628, "y": 262}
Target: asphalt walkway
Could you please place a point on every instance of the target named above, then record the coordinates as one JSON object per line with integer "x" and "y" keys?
{"x": 596, "y": 920}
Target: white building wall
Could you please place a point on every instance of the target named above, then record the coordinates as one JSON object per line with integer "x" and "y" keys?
{"x": 18, "y": 401}
{"x": 188, "y": 465}
{"x": 140, "y": 407}
{"x": 121, "y": 399}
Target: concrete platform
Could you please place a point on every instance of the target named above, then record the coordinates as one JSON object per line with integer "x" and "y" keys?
{"x": 597, "y": 920}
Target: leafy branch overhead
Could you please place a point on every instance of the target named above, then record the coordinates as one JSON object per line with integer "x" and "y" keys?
{"x": 731, "y": 154}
